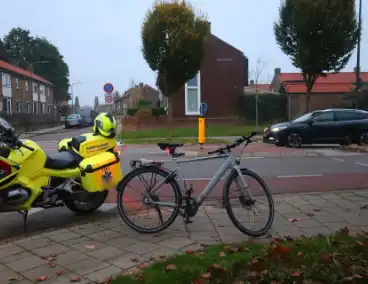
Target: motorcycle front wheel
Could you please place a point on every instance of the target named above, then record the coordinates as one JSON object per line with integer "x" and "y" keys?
{"x": 90, "y": 203}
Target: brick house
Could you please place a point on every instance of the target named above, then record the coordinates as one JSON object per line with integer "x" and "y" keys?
{"x": 219, "y": 83}
{"x": 132, "y": 96}
{"x": 328, "y": 92}
{"x": 24, "y": 92}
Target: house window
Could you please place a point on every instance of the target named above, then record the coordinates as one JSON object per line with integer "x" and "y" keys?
{"x": 35, "y": 88}
{"x": 8, "y": 105}
{"x": 47, "y": 91}
{"x": 17, "y": 83}
{"x": 49, "y": 109}
{"x": 43, "y": 110}
{"x": 26, "y": 85}
{"x": 42, "y": 90}
{"x": 18, "y": 106}
{"x": 35, "y": 107}
{"x": 28, "y": 107}
{"x": 193, "y": 95}
{"x": 6, "y": 80}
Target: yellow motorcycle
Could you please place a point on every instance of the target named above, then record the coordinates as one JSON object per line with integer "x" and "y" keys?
{"x": 78, "y": 176}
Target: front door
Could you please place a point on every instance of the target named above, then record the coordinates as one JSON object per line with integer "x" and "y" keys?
{"x": 324, "y": 127}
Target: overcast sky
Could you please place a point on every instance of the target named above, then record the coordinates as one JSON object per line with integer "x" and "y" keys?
{"x": 100, "y": 39}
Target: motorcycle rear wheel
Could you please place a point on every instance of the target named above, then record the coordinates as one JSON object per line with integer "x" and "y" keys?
{"x": 96, "y": 199}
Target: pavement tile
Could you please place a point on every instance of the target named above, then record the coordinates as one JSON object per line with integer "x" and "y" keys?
{"x": 26, "y": 263}
{"x": 177, "y": 243}
{"x": 334, "y": 227}
{"x": 70, "y": 257}
{"x": 121, "y": 242}
{"x": 126, "y": 261}
{"x": 77, "y": 240}
{"x": 8, "y": 276}
{"x": 87, "y": 229}
{"x": 33, "y": 242}
{"x": 2, "y": 267}
{"x": 65, "y": 236}
{"x": 87, "y": 266}
{"x": 106, "y": 252}
{"x": 142, "y": 247}
{"x": 104, "y": 235}
{"x": 43, "y": 270}
{"x": 233, "y": 238}
{"x": 326, "y": 217}
{"x": 53, "y": 249}
{"x": 288, "y": 230}
{"x": 10, "y": 249}
{"x": 104, "y": 274}
{"x": 17, "y": 256}
{"x": 312, "y": 231}
{"x": 87, "y": 245}
{"x": 66, "y": 278}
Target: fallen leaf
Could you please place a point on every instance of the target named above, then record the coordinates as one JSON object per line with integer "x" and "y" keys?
{"x": 75, "y": 279}
{"x": 170, "y": 267}
{"x": 310, "y": 214}
{"x": 234, "y": 249}
{"x": 52, "y": 264}
{"x": 281, "y": 250}
{"x": 206, "y": 275}
{"x": 295, "y": 274}
{"x": 60, "y": 272}
{"x": 90, "y": 246}
{"x": 41, "y": 278}
{"x": 134, "y": 259}
{"x": 201, "y": 253}
{"x": 217, "y": 266}
{"x": 364, "y": 207}
{"x": 359, "y": 243}
{"x": 254, "y": 261}
{"x": 326, "y": 257}
{"x": 292, "y": 220}
{"x": 15, "y": 278}
{"x": 277, "y": 240}
{"x": 222, "y": 254}
{"x": 142, "y": 265}
{"x": 197, "y": 281}
{"x": 317, "y": 209}
{"x": 300, "y": 254}
{"x": 162, "y": 256}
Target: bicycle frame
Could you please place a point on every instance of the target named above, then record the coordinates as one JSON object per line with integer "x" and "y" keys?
{"x": 230, "y": 163}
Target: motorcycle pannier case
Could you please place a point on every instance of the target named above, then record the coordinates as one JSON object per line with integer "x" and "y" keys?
{"x": 100, "y": 172}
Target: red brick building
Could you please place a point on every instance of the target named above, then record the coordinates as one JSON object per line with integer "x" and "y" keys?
{"x": 220, "y": 83}
{"x": 328, "y": 92}
{"x": 24, "y": 92}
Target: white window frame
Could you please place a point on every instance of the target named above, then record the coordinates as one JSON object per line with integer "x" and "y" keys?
{"x": 198, "y": 88}
{"x": 26, "y": 85}
{"x": 6, "y": 80}
{"x": 17, "y": 83}
{"x": 18, "y": 106}
{"x": 28, "y": 107}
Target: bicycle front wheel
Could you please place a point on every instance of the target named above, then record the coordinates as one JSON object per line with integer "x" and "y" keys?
{"x": 257, "y": 187}
{"x": 135, "y": 205}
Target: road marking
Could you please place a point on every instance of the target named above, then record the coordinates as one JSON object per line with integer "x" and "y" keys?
{"x": 34, "y": 211}
{"x": 336, "y": 159}
{"x": 361, "y": 164}
{"x": 298, "y": 176}
{"x": 107, "y": 207}
{"x": 256, "y": 157}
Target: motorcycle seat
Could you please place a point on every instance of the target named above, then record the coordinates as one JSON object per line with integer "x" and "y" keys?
{"x": 62, "y": 160}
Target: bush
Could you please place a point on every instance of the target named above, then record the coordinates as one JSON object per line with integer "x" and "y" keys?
{"x": 144, "y": 104}
{"x": 132, "y": 111}
{"x": 158, "y": 111}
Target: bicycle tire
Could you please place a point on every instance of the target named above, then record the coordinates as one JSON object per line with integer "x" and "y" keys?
{"x": 226, "y": 202}
{"x": 121, "y": 189}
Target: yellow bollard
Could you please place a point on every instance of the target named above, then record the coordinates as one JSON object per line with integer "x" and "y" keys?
{"x": 201, "y": 131}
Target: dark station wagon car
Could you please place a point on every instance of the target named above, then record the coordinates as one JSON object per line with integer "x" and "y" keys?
{"x": 329, "y": 126}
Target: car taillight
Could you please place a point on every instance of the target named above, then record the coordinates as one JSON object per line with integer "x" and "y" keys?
{"x": 5, "y": 169}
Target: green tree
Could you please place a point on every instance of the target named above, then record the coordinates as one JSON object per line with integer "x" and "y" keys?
{"x": 23, "y": 50}
{"x": 319, "y": 36}
{"x": 2, "y": 50}
{"x": 173, "y": 39}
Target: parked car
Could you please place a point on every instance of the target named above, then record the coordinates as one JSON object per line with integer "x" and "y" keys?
{"x": 73, "y": 120}
{"x": 329, "y": 126}
{"x": 88, "y": 115}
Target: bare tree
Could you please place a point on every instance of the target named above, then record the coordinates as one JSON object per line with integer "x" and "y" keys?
{"x": 256, "y": 74}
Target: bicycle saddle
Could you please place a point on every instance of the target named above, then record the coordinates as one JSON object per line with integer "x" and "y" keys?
{"x": 167, "y": 145}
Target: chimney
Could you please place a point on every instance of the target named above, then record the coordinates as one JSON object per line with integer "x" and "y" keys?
{"x": 277, "y": 71}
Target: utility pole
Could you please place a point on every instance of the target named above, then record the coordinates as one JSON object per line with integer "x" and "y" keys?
{"x": 357, "y": 70}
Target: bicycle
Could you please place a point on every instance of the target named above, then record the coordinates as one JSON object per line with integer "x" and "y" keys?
{"x": 186, "y": 205}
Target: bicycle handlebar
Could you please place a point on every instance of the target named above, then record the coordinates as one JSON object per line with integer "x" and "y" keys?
{"x": 235, "y": 144}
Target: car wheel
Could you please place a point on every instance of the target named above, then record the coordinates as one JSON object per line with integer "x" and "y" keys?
{"x": 363, "y": 138}
{"x": 294, "y": 140}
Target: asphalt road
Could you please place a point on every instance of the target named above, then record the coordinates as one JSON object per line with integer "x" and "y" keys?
{"x": 281, "y": 173}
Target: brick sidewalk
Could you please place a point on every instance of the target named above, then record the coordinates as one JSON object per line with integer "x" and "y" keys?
{"x": 92, "y": 252}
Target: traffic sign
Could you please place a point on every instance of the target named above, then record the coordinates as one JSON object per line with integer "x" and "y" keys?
{"x": 108, "y": 88}
{"x": 108, "y": 99}
{"x": 203, "y": 109}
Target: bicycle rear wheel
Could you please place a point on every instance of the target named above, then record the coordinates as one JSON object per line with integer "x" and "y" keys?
{"x": 247, "y": 204}
{"x": 126, "y": 211}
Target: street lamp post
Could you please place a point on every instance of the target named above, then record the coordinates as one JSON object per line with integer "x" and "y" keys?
{"x": 71, "y": 92}
{"x": 357, "y": 70}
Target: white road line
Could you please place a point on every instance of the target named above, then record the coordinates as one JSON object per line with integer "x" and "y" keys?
{"x": 252, "y": 157}
{"x": 107, "y": 207}
{"x": 298, "y": 176}
{"x": 337, "y": 159}
{"x": 34, "y": 211}
{"x": 361, "y": 164}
